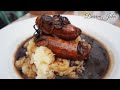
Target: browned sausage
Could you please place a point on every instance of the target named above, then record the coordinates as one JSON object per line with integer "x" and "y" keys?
{"x": 57, "y": 26}
{"x": 65, "y": 49}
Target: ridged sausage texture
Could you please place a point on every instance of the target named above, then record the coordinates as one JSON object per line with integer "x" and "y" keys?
{"x": 65, "y": 49}
{"x": 58, "y": 26}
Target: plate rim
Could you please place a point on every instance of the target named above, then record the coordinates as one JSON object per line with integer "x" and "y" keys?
{"x": 63, "y": 15}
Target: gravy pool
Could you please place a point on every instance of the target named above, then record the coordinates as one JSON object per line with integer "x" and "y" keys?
{"x": 96, "y": 66}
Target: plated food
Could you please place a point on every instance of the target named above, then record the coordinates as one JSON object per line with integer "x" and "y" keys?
{"x": 59, "y": 50}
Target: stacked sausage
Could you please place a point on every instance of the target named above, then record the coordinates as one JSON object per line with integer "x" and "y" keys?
{"x": 57, "y": 33}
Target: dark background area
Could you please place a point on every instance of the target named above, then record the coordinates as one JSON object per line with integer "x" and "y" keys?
{"x": 7, "y": 17}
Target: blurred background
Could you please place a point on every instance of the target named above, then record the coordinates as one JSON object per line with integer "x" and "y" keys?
{"x": 8, "y": 17}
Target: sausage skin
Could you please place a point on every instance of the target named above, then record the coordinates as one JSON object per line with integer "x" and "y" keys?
{"x": 65, "y": 49}
{"x": 58, "y": 26}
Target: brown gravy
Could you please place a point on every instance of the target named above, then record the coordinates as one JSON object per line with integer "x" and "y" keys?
{"x": 96, "y": 66}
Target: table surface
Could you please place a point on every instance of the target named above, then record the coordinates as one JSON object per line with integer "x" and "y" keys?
{"x": 78, "y": 13}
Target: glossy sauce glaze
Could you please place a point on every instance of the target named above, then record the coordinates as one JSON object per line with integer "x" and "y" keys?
{"x": 96, "y": 66}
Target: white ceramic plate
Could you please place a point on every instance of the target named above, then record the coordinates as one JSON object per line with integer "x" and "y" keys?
{"x": 12, "y": 35}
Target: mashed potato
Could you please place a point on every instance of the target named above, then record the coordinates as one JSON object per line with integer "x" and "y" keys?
{"x": 41, "y": 63}
{"x": 42, "y": 58}
{"x": 28, "y": 69}
{"x": 31, "y": 47}
{"x": 60, "y": 65}
{"x": 78, "y": 39}
{"x": 62, "y": 68}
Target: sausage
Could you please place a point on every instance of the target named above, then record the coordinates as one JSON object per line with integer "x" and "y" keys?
{"x": 65, "y": 49}
{"x": 57, "y": 26}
